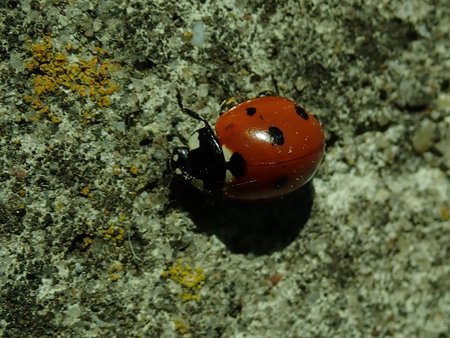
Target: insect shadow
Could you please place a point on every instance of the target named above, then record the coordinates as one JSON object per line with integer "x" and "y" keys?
{"x": 258, "y": 227}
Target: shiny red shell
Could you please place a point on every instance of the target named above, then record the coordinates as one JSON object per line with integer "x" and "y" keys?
{"x": 275, "y": 165}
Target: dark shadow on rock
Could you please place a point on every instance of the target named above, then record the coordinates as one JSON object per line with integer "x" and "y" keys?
{"x": 257, "y": 227}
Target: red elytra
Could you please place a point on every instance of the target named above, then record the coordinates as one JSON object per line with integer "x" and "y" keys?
{"x": 282, "y": 145}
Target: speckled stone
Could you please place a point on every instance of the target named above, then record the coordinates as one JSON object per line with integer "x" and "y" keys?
{"x": 90, "y": 218}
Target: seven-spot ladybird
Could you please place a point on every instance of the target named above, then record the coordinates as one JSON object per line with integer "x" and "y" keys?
{"x": 263, "y": 148}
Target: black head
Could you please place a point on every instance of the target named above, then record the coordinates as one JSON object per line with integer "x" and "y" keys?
{"x": 201, "y": 163}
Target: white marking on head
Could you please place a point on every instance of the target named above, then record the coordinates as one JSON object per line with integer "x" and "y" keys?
{"x": 227, "y": 153}
{"x": 175, "y": 157}
{"x": 194, "y": 142}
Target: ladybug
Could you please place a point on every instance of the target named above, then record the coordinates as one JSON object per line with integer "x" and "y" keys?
{"x": 263, "y": 148}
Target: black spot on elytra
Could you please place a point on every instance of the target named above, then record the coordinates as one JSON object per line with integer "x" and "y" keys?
{"x": 251, "y": 111}
{"x": 236, "y": 165}
{"x": 281, "y": 182}
{"x": 276, "y": 136}
{"x": 301, "y": 112}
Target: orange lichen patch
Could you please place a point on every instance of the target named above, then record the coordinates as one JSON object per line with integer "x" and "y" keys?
{"x": 190, "y": 279}
{"x": 52, "y": 71}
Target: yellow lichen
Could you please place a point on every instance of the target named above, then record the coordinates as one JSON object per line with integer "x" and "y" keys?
{"x": 188, "y": 35}
{"x": 86, "y": 242}
{"x": 85, "y": 191}
{"x": 445, "y": 213}
{"x": 59, "y": 206}
{"x": 181, "y": 326}
{"x": 134, "y": 170}
{"x": 88, "y": 117}
{"x": 51, "y": 71}
{"x": 116, "y": 271}
{"x": 116, "y": 170}
{"x": 113, "y": 232}
{"x": 190, "y": 279}
{"x": 55, "y": 119}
